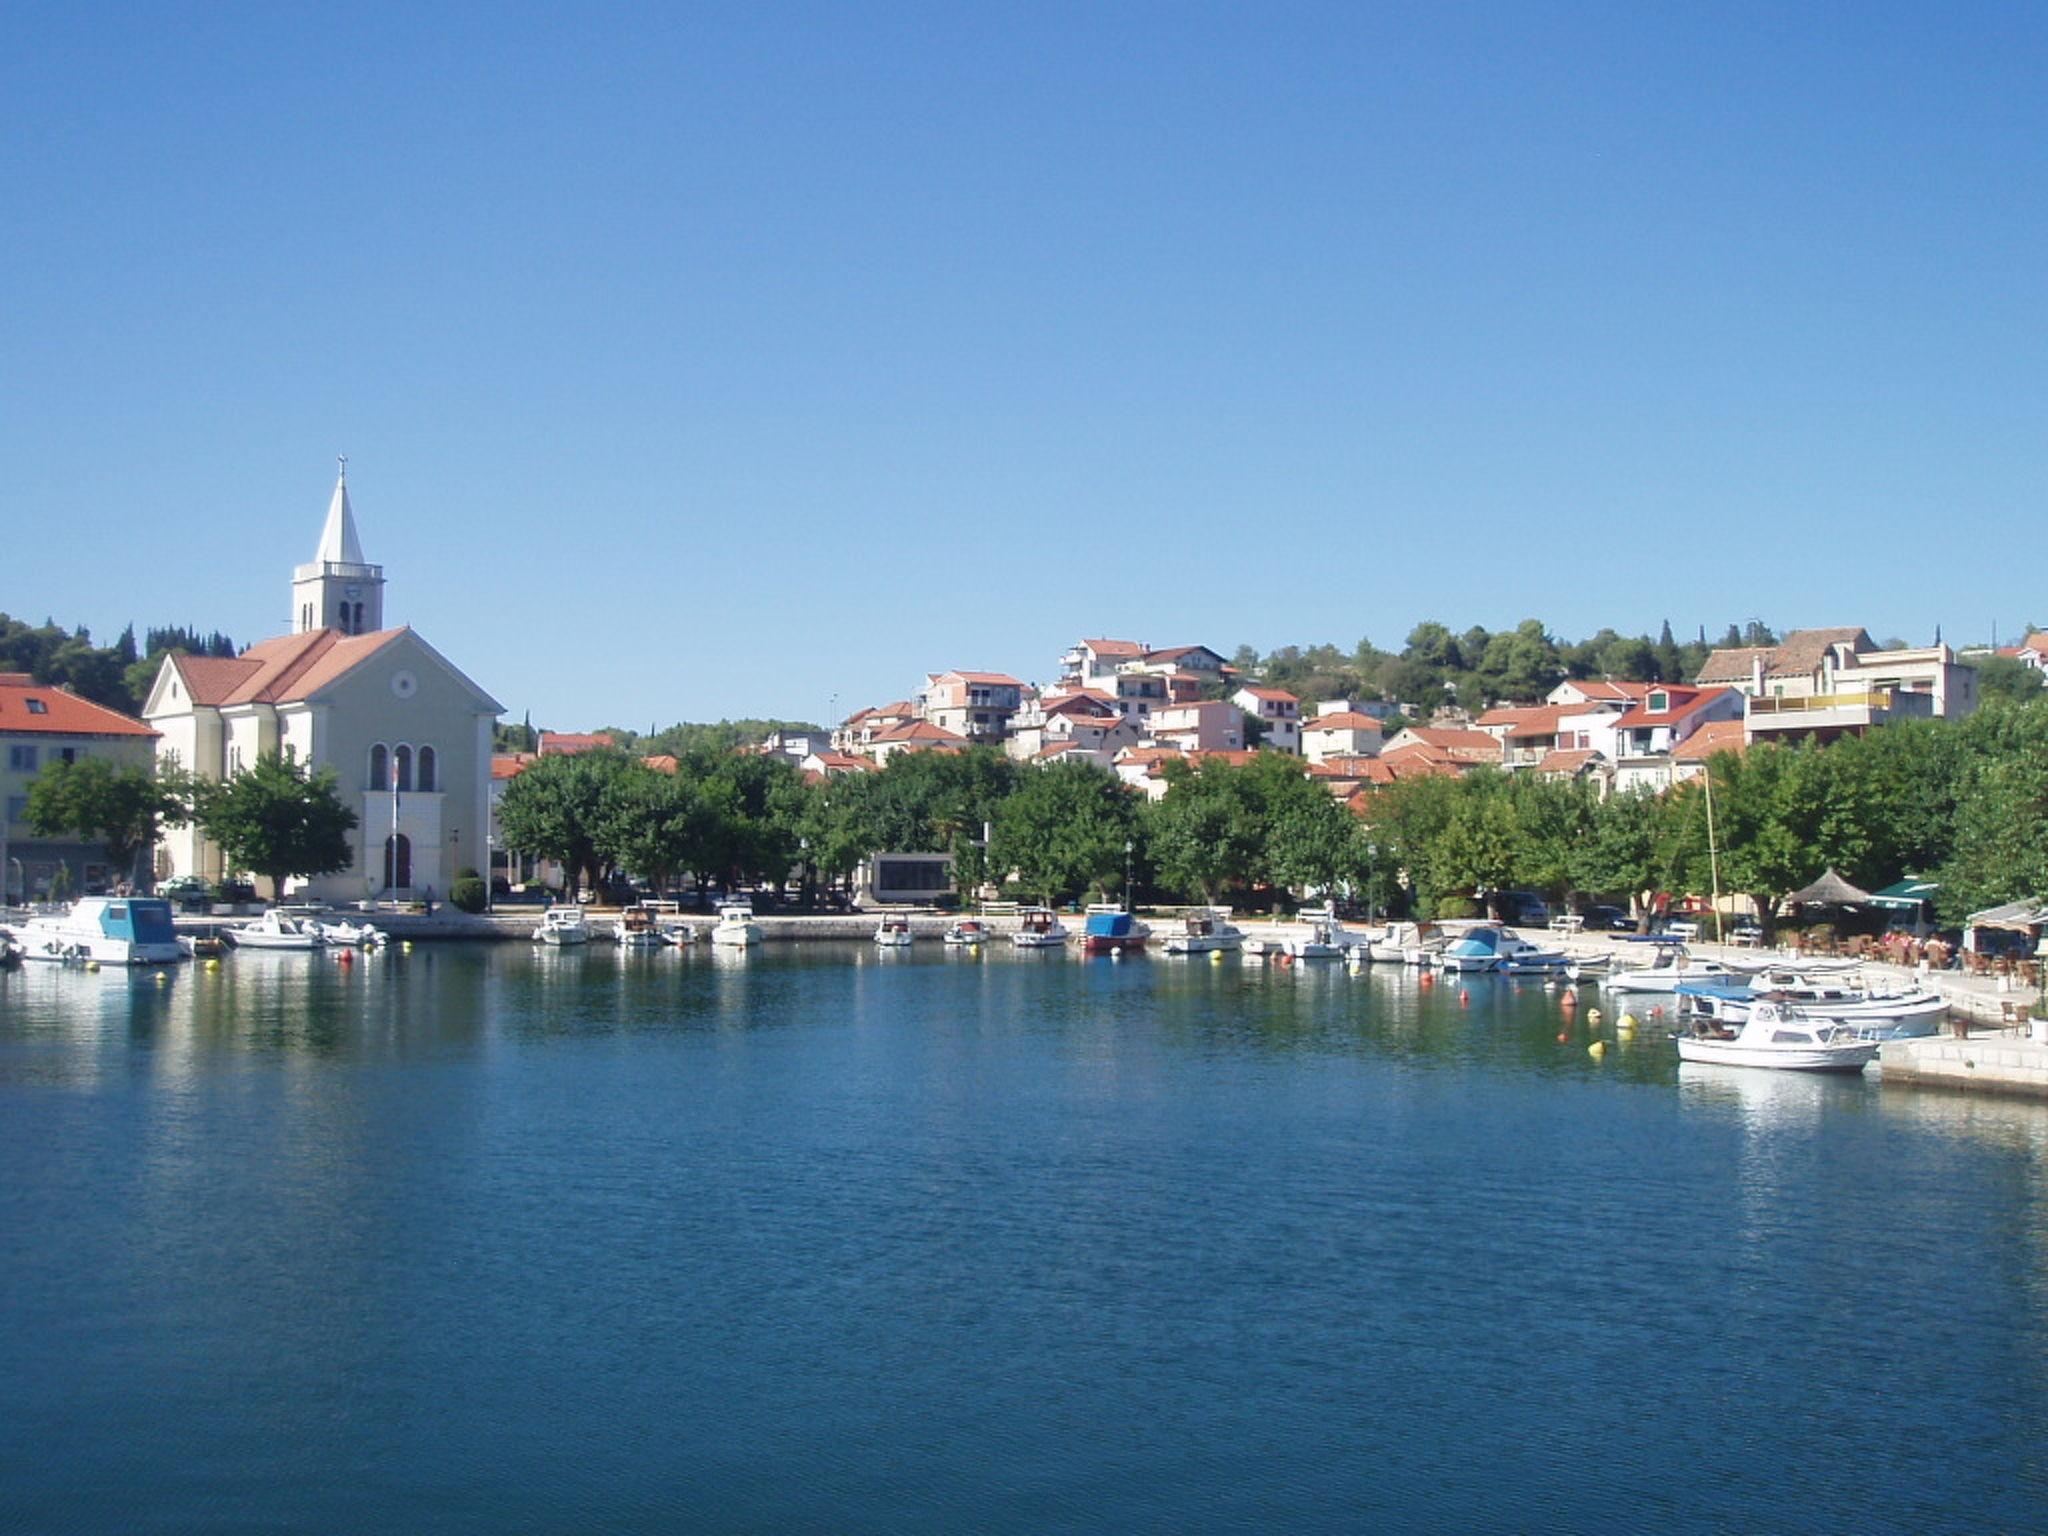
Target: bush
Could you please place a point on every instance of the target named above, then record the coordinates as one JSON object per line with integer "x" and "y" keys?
{"x": 467, "y": 893}
{"x": 1458, "y": 907}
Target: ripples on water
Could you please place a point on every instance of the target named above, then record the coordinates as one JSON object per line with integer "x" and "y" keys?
{"x": 830, "y": 1240}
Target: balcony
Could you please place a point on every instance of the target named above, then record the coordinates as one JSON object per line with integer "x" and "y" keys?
{"x": 1832, "y": 714}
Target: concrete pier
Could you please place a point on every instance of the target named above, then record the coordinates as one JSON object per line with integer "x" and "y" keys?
{"x": 2001, "y": 1063}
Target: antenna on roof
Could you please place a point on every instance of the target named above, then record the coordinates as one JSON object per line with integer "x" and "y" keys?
{"x": 341, "y": 460}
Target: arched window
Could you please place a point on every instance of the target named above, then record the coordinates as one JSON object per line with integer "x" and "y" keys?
{"x": 404, "y": 760}
{"x": 357, "y": 627}
{"x": 398, "y": 862}
{"x": 426, "y": 770}
{"x": 380, "y": 766}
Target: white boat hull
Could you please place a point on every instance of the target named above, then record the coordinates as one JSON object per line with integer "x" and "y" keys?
{"x": 1847, "y": 1056}
{"x": 735, "y": 935}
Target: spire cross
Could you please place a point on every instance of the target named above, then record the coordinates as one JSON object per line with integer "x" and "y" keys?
{"x": 342, "y": 460}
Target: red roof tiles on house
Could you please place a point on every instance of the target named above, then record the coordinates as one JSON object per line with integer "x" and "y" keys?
{"x": 1714, "y": 736}
{"x": 31, "y": 708}
{"x": 1679, "y": 703}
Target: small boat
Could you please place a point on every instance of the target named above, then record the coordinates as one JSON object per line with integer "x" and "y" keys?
{"x": 278, "y": 930}
{"x": 348, "y": 935}
{"x": 1518, "y": 957}
{"x": 1202, "y": 933}
{"x": 112, "y": 930}
{"x": 1873, "y": 1015}
{"x": 1588, "y": 965}
{"x": 736, "y": 928}
{"x": 1325, "y": 939}
{"x": 562, "y": 926}
{"x": 1039, "y": 928}
{"x": 968, "y": 933}
{"x": 1476, "y": 949}
{"x": 1672, "y": 964}
{"x": 1113, "y": 931}
{"x": 893, "y": 933}
{"x": 1773, "y": 1036}
{"x": 666, "y": 918}
{"x": 1408, "y": 944}
{"x": 636, "y": 929}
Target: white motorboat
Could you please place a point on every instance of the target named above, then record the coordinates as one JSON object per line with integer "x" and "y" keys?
{"x": 1325, "y": 939}
{"x": 1408, "y": 944}
{"x": 893, "y": 933}
{"x": 1039, "y": 928}
{"x": 636, "y": 929}
{"x": 1672, "y": 964}
{"x": 563, "y": 926}
{"x": 667, "y": 920}
{"x": 1477, "y": 949}
{"x": 1874, "y": 1014}
{"x": 277, "y": 929}
{"x": 1774, "y": 1036}
{"x": 113, "y": 930}
{"x": 1518, "y": 957}
{"x": 1205, "y": 932}
{"x": 346, "y": 935}
{"x": 968, "y": 933}
{"x": 735, "y": 928}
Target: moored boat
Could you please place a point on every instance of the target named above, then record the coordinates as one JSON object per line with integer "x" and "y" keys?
{"x": 1113, "y": 931}
{"x": 113, "y": 930}
{"x": 1039, "y": 928}
{"x": 1773, "y": 1036}
{"x": 736, "y": 928}
{"x": 1204, "y": 932}
{"x": 1672, "y": 964}
{"x": 563, "y": 926}
{"x": 968, "y": 933}
{"x": 276, "y": 929}
{"x": 1325, "y": 939}
{"x": 893, "y": 933}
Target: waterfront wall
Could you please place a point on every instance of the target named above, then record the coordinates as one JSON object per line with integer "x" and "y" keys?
{"x": 2004, "y": 1064}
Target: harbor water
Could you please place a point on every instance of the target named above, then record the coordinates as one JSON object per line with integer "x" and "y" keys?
{"x": 816, "y": 1238}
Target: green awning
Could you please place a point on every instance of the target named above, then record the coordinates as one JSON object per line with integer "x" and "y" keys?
{"x": 1909, "y": 892}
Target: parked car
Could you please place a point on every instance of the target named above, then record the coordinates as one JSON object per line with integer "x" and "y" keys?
{"x": 234, "y": 891}
{"x": 1603, "y": 918}
{"x": 1520, "y": 909}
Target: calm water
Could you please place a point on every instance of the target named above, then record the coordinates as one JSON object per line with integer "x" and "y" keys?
{"x": 826, "y": 1240}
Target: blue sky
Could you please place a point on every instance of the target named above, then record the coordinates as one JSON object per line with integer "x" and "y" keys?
{"x": 707, "y": 361}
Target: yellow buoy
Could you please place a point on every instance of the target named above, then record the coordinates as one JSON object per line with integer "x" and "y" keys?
{"x": 1597, "y": 1049}
{"x": 1592, "y": 1015}
{"x": 1626, "y": 1021}
{"x": 161, "y": 978}
{"x": 213, "y": 963}
{"x": 1215, "y": 957}
{"x": 92, "y": 965}
{"x": 405, "y": 946}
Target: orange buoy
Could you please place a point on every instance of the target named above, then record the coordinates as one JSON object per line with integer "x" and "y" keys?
{"x": 1569, "y": 1001}
{"x": 1564, "y": 1037}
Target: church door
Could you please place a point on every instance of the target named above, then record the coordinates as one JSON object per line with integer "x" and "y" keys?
{"x": 398, "y": 862}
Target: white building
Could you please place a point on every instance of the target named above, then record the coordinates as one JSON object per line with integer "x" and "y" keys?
{"x": 406, "y": 734}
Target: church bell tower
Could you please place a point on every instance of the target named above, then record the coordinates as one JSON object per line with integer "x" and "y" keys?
{"x": 338, "y": 589}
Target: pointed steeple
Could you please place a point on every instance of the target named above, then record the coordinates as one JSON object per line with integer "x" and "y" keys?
{"x": 338, "y": 589}
{"x": 338, "y": 540}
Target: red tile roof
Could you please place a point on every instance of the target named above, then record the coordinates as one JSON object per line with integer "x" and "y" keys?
{"x": 509, "y": 765}
{"x": 554, "y": 743}
{"x": 282, "y": 670}
{"x": 995, "y": 679}
{"x": 30, "y": 708}
{"x": 1114, "y": 647}
{"x": 1556, "y": 761}
{"x": 1525, "y": 720}
{"x": 1350, "y": 720}
{"x": 1714, "y": 736}
{"x": 1270, "y": 695}
{"x": 1611, "y": 692}
{"x": 919, "y": 732}
{"x": 1680, "y": 702}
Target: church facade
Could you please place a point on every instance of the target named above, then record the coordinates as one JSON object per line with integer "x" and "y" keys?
{"x": 407, "y": 735}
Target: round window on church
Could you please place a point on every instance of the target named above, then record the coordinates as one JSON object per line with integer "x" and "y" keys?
{"x": 404, "y": 684}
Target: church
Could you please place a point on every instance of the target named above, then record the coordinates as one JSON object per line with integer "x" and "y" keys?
{"x": 406, "y": 734}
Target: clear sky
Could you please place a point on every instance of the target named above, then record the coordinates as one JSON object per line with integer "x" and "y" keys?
{"x": 697, "y": 361}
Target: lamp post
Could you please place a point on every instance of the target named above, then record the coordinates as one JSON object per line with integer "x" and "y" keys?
{"x": 1130, "y": 847}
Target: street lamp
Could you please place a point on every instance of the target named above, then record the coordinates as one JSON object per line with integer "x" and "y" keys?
{"x": 1130, "y": 847}
{"x": 2040, "y": 1029}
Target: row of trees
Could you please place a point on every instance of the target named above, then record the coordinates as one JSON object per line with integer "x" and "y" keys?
{"x": 276, "y": 820}
{"x": 1964, "y": 802}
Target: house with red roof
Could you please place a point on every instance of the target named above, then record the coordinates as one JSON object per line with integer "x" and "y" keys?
{"x": 916, "y": 736}
{"x": 977, "y": 706}
{"x": 406, "y": 734}
{"x": 1818, "y": 684}
{"x": 1669, "y": 714}
{"x": 1208, "y": 725}
{"x": 1689, "y": 757}
{"x": 1277, "y": 712}
{"x": 1344, "y": 733}
{"x": 40, "y": 726}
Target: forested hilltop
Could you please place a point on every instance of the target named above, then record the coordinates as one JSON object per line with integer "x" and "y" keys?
{"x": 116, "y": 675}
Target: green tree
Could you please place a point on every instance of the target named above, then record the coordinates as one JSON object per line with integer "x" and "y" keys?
{"x": 652, "y": 823}
{"x": 124, "y": 808}
{"x": 2007, "y": 678}
{"x": 278, "y": 820}
{"x": 1064, "y": 831}
{"x": 1203, "y": 837}
{"x": 555, "y": 808}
